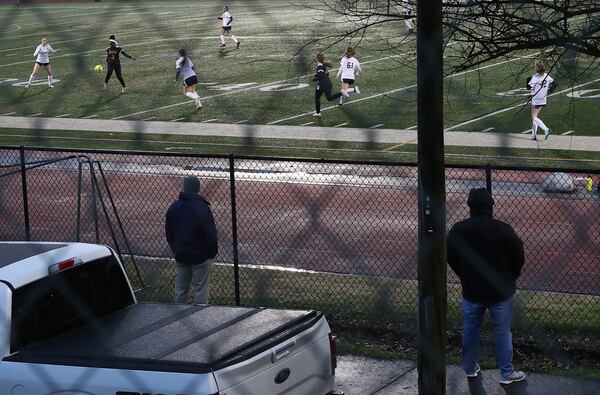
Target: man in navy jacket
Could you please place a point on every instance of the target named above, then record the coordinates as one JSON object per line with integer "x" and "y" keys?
{"x": 192, "y": 236}
{"x": 487, "y": 256}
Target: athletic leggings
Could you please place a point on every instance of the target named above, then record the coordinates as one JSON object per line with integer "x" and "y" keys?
{"x": 328, "y": 95}
{"x": 117, "y": 69}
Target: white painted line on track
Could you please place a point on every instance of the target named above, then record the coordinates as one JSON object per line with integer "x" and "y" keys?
{"x": 341, "y": 124}
{"x": 307, "y": 123}
{"x": 488, "y": 129}
{"x": 244, "y": 121}
{"x": 8, "y": 113}
{"x": 177, "y": 119}
{"x": 62, "y": 116}
{"x": 149, "y": 118}
{"x": 376, "y": 126}
{"x": 517, "y": 106}
{"x": 210, "y": 120}
{"x": 90, "y": 116}
{"x": 567, "y": 133}
{"x": 35, "y": 115}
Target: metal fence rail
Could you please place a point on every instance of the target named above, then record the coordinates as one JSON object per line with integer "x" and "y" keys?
{"x": 335, "y": 235}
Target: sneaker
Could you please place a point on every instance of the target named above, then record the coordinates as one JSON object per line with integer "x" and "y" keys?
{"x": 123, "y": 90}
{"x": 532, "y": 137}
{"x": 237, "y": 45}
{"x": 515, "y": 376}
{"x": 546, "y": 134}
{"x": 222, "y": 46}
{"x": 345, "y": 93}
{"x": 475, "y": 373}
{"x": 316, "y": 114}
{"x": 356, "y": 90}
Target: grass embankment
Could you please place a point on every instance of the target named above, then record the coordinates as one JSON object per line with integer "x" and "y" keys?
{"x": 552, "y": 332}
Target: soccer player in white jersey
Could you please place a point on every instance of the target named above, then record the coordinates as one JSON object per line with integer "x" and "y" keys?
{"x": 539, "y": 84}
{"x": 349, "y": 69}
{"x": 41, "y": 55}
{"x": 227, "y": 18}
{"x": 407, "y": 10}
{"x": 185, "y": 68}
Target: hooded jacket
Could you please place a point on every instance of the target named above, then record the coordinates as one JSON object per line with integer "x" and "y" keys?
{"x": 485, "y": 253}
{"x": 190, "y": 229}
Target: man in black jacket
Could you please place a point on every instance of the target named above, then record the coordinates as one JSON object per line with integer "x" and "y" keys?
{"x": 192, "y": 236}
{"x": 487, "y": 256}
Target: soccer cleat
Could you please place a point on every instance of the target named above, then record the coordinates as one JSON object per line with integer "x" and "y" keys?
{"x": 222, "y": 46}
{"x": 475, "y": 373}
{"x": 356, "y": 90}
{"x": 27, "y": 86}
{"x": 532, "y": 137}
{"x": 237, "y": 45}
{"x": 198, "y": 104}
{"x": 345, "y": 93}
{"x": 50, "y": 86}
{"x": 316, "y": 114}
{"x": 515, "y": 376}
{"x": 123, "y": 90}
{"x": 546, "y": 134}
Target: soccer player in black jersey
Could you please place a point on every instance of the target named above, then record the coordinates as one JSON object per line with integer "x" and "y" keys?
{"x": 113, "y": 63}
{"x": 323, "y": 84}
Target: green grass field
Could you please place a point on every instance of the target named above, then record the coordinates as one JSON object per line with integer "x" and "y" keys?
{"x": 267, "y": 80}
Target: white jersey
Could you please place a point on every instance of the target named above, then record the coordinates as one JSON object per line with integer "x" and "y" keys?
{"x": 349, "y": 68}
{"x": 185, "y": 68}
{"x": 539, "y": 88}
{"x": 226, "y": 18}
{"x": 42, "y": 53}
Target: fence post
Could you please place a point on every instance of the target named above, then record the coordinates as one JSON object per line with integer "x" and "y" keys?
{"x": 488, "y": 177}
{"x": 236, "y": 267}
{"x": 25, "y": 196}
{"x": 79, "y": 180}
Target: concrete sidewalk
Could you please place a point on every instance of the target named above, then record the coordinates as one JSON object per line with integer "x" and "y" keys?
{"x": 384, "y": 136}
{"x": 366, "y": 376}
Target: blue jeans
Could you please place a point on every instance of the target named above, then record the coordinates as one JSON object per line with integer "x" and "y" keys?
{"x": 501, "y": 315}
{"x": 198, "y": 276}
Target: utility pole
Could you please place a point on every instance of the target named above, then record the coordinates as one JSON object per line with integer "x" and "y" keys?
{"x": 432, "y": 200}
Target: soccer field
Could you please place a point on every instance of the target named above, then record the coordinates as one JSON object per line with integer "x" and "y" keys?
{"x": 268, "y": 79}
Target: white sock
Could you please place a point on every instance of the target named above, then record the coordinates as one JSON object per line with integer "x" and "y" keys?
{"x": 31, "y": 77}
{"x": 534, "y": 129}
{"x": 235, "y": 40}
{"x": 409, "y": 24}
{"x": 191, "y": 95}
{"x": 341, "y": 99}
{"x": 49, "y": 80}
{"x": 350, "y": 90}
{"x": 222, "y": 37}
{"x": 540, "y": 123}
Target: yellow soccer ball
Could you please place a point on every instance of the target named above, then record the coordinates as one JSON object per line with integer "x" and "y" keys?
{"x": 98, "y": 69}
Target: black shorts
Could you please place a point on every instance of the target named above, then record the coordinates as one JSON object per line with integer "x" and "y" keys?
{"x": 227, "y": 28}
{"x": 348, "y": 81}
{"x": 43, "y": 64}
{"x": 190, "y": 81}
{"x": 538, "y": 106}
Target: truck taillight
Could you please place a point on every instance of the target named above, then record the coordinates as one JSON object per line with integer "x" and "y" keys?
{"x": 333, "y": 352}
{"x": 64, "y": 265}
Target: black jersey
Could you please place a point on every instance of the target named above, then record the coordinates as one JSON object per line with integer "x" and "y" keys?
{"x": 112, "y": 54}
{"x": 322, "y": 75}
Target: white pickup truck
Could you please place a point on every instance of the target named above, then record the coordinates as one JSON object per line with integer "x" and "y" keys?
{"x": 70, "y": 325}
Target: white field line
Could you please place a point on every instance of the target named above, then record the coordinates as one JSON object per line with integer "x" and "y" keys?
{"x": 341, "y": 124}
{"x": 488, "y": 129}
{"x": 90, "y": 116}
{"x": 177, "y": 119}
{"x": 8, "y": 113}
{"x": 567, "y": 133}
{"x": 62, "y": 116}
{"x": 376, "y": 126}
{"x": 243, "y": 121}
{"x": 412, "y": 127}
{"x": 210, "y": 120}
{"x": 149, "y": 118}
{"x": 12, "y": 54}
{"x": 236, "y": 92}
{"x": 403, "y": 88}
{"x": 517, "y": 106}
{"x": 35, "y": 115}
{"x": 526, "y": 131}
{"x": 307, "y": 123}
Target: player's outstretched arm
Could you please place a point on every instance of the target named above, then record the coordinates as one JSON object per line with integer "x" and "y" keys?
{"x": 127, "y": 55}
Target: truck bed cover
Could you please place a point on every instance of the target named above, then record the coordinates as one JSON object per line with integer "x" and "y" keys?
{"x": 171, "y": 337}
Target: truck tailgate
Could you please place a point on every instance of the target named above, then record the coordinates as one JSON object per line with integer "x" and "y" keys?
{"x": 171, "y": 338}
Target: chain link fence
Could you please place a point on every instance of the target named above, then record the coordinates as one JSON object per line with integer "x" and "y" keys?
{"x": 331, "y": 235}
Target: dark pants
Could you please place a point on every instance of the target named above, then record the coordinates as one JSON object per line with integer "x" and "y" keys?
{"x": 116, "y": 67}
{"x": 327, "y": 91}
